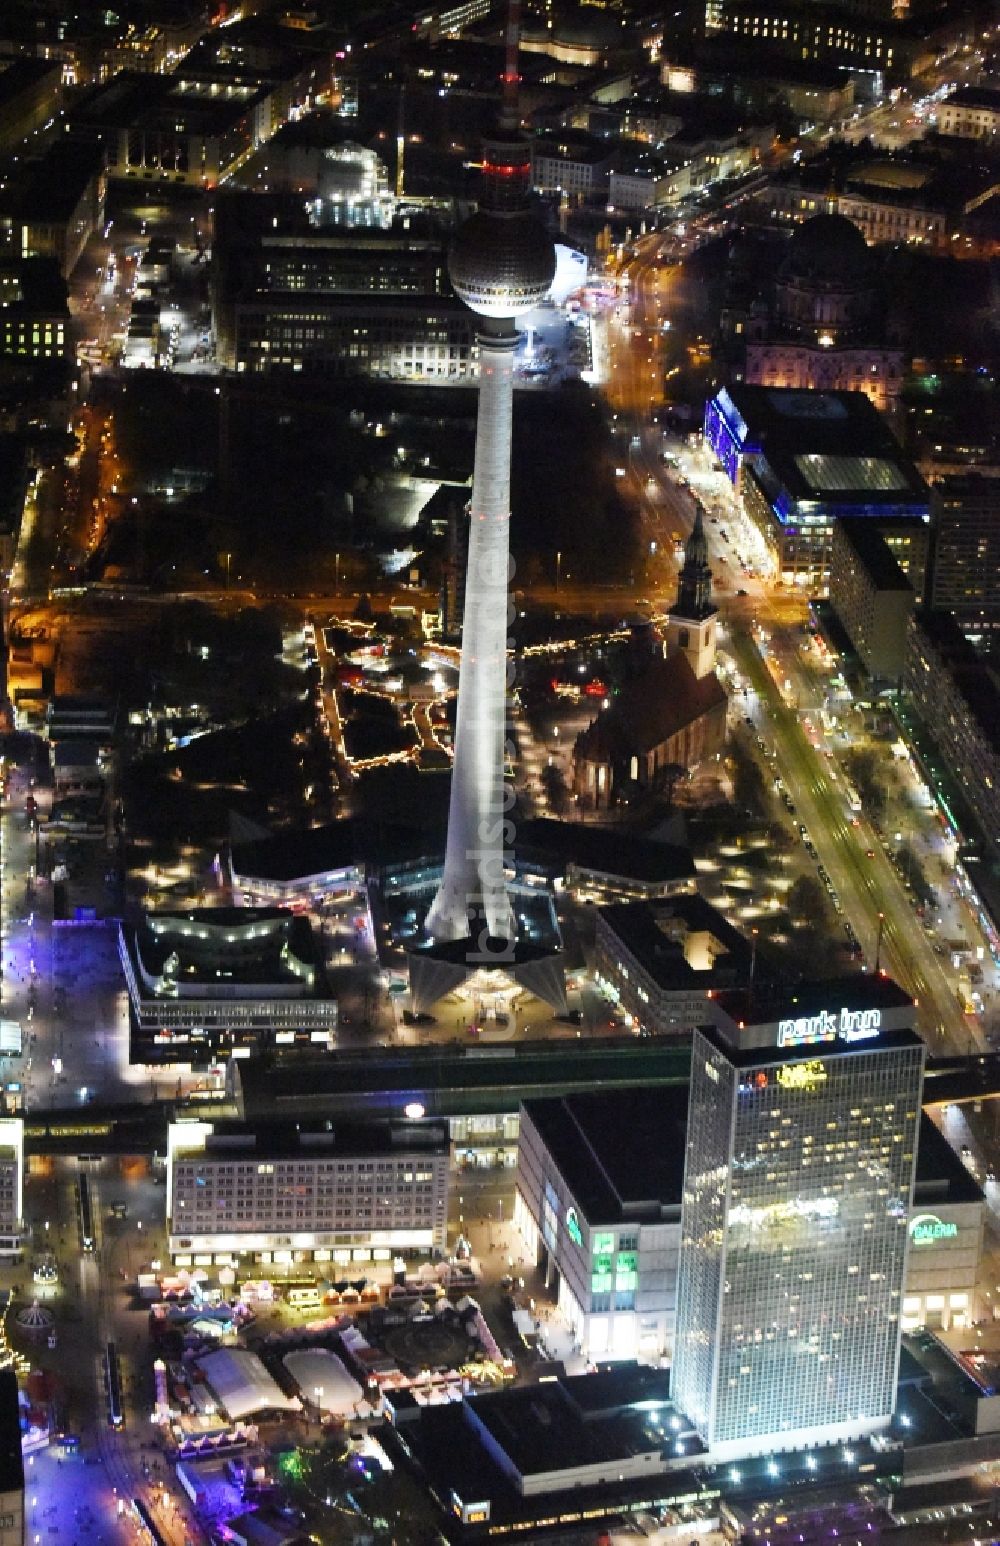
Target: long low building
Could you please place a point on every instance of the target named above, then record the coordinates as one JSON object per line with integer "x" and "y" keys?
{"x": 281, "y": 1193}
{"x": 221, "y": 982}
{"x": 661, "y": 961}
{"x": 801, "y": 459}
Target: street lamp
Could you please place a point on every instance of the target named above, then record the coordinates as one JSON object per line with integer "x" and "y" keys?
{"x": 878, "y": 941}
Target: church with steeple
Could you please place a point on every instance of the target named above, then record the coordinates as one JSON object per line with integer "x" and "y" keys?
{"x": 691, "y": 623}
{"x": 671, "y": 712}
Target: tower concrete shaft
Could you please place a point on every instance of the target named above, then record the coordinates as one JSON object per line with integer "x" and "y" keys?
{"x": 473, "y": 892}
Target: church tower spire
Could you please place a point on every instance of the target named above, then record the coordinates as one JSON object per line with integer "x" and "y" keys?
{"x": 691, "y": 624}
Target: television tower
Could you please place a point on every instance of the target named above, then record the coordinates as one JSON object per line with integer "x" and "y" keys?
{"x": 501, "y": 264}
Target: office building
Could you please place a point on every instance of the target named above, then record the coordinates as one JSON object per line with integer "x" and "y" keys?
{"x": 801, "y": 460}
{"x": 281, "y": 1193}
{"x": 224, "y": 982}
{"x": 52, "y": 206}
{"x": 34, "y": 310}
{"x": 798, "y": 1184}
{"x": 187, "y": 127}
{"x": 964, "y": 576}
{"x": 598, "y": 1207}
{"x": 871, "y": 596}
{"x": 600, "y": 1183}
{"x": 970, "y": 113}
{"x": 502, "y": 263}
{"x": 11, "y": 1463}
{"x": 577, "y": 165}
{"x": 12, "y": 1227}
{"x": 659, "y": 962}
{"x": 818, "y": 34}
{"x": 31, "y": 92}
{"x": 957, "y": 703}
{"x": 570, "y": 1451}
{"x": 947, "y": 1237}
{"x": 364, "y": 301}
{"x": 754, "y": 78}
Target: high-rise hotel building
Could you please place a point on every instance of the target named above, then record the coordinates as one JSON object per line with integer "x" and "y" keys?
{"x": 798, "y": 1181}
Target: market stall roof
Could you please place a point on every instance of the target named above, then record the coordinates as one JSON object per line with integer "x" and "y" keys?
{"x": 242, "y": 1386}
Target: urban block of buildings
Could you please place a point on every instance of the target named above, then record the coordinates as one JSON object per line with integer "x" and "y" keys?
{"x": 365, "y": 301}
{"x": 224, "y": 982}
{"x": 801, "y": 459}
{"x": 278, "y": 1193}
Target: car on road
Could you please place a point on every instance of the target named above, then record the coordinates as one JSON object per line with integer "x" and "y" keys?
{"x": 869, "y": 853}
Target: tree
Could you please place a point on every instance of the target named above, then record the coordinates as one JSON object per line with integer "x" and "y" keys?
{"x": 555, "y": 787}
{"x": 806, "y": 900}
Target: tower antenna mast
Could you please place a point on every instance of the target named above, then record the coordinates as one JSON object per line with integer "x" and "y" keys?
{"x": 510, "y": 114}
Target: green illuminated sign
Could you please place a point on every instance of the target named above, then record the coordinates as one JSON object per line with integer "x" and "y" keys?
{"x": 573, "y": 1227}
{"x": 627, "y": 1271}
{"x": 927, "y": 1228}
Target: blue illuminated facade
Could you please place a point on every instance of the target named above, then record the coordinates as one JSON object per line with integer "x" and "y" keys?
{"x": 802, "y": 459}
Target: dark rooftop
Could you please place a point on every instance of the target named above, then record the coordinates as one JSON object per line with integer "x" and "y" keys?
{"x": 539, "y": 1428}
{"x": 654, "y": 706}
{"x": 655, "y": 933}
{"x": 774, "y": 1001}
{"x": 976, "y": 96}
{"x": 50, "y": 188}
{"x": 967, "y": 671}
{"x": 11, "y": 1462}
{"x": 620, "y": 1151}
{"x": 281, "y": 1140}
{"x": 941, "y": 1177}
{"x": 603, "y": 850}
{"x": 874, "y": 553}
{"x": 340, "y": 845}
{"x": 750, "y": 1057}
{"x": 32, "y": 285}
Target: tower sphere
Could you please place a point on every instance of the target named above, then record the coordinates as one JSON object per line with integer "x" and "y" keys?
{"x": 502, "y": 260}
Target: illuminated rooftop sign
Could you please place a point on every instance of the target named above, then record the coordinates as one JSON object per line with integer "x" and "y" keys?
{"x": 802, "y": 1076}
{"x": 927, "y": 1228}
{"x": 830, "y": 1025}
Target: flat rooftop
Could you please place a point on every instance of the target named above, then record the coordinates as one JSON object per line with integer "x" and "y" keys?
{"x": 131, "y": 100}
{"x": 941, "y": 1177}
{"x": 620, "y": 1151}
{"x": 775, "y": 1001}
{"x": 220, "y": 947}
{"x": 541, "y": 1427}
{"x": 821, "y": 446}
{"x": 874, "y": 554}
{"x": 682, "y": 942}
{"x": 306, "y": 1140}
{"x": 603, "y": 851}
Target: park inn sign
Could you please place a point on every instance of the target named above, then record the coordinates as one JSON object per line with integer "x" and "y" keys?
{"x": 830, "y": 1025}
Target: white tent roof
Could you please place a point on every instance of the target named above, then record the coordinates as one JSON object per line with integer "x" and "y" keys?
{"x": 314, "y": 1369}
{"x": 242, "y": 1385}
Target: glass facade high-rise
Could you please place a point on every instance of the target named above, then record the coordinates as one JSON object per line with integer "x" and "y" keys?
{"x": 798, "y": 1181}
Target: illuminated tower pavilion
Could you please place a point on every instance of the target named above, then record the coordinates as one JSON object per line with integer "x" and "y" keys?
{"x": 501, "y": 264}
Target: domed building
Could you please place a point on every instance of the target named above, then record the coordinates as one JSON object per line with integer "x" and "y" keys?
{"x": 820, "y": 326}
{"x": 580, "y": 35}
